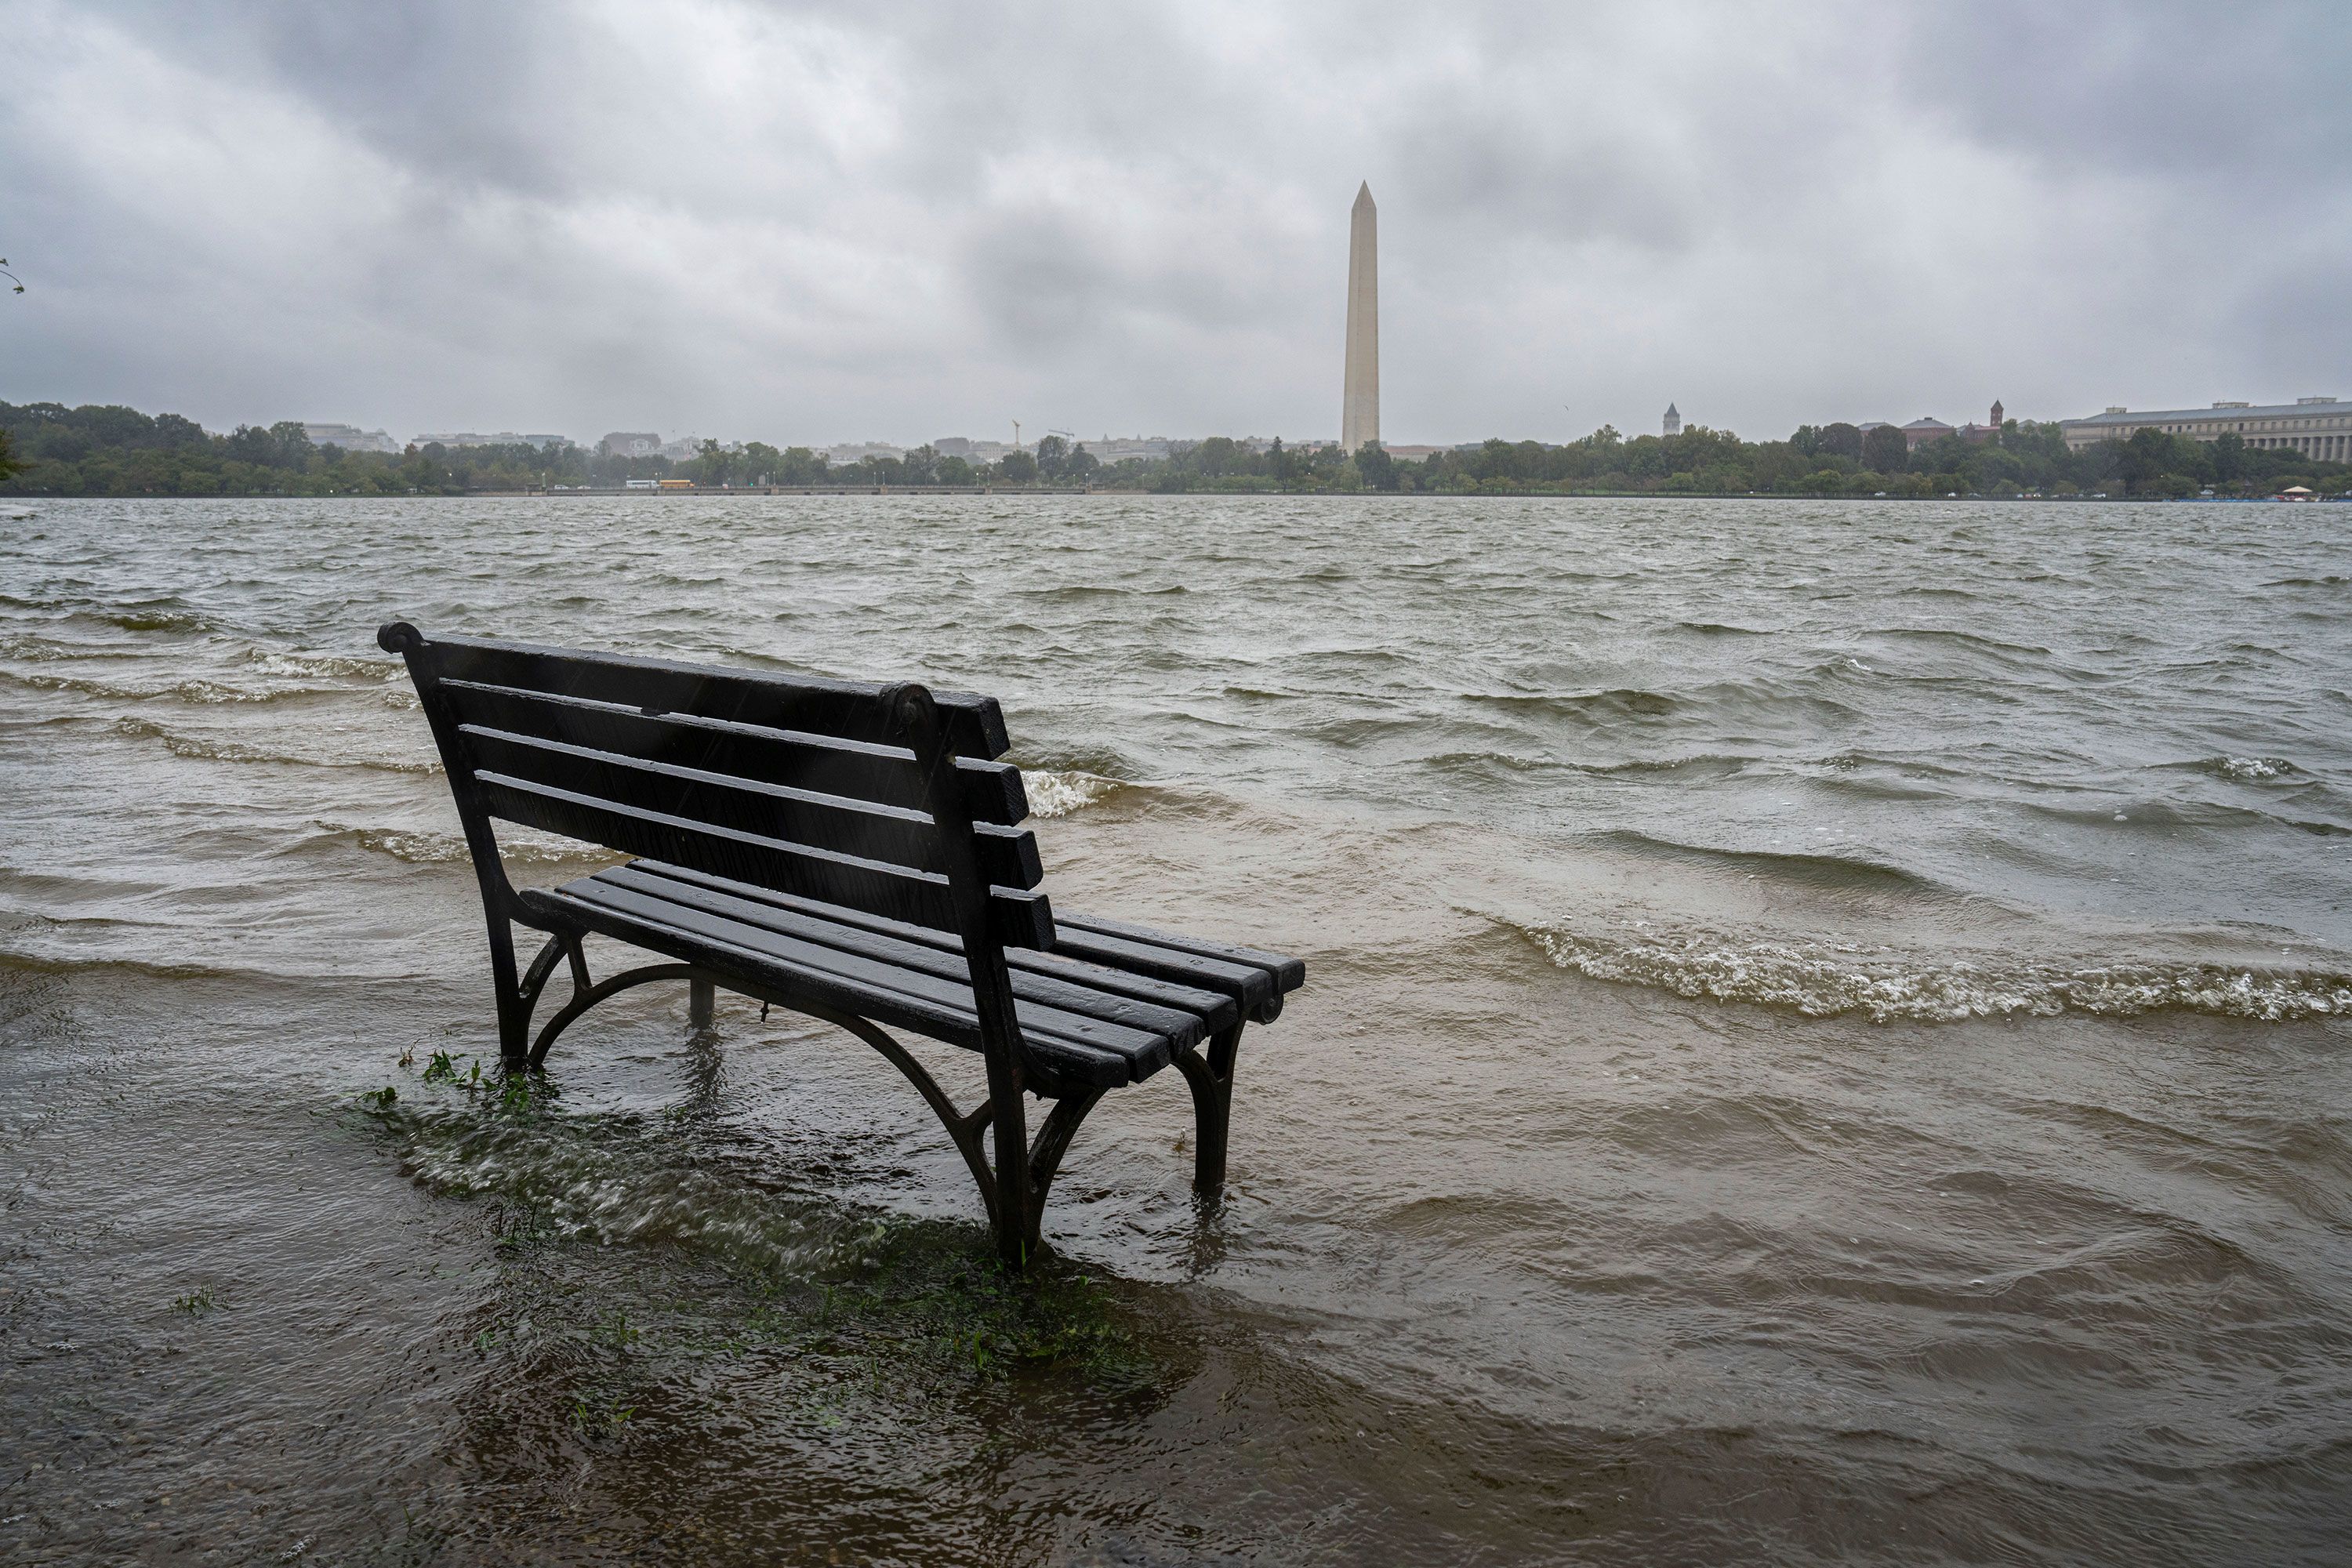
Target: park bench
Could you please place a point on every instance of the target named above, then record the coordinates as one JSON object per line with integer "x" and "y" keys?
{"x": 848, "y": 851}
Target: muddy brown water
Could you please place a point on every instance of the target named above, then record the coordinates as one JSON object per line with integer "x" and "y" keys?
{"x": 1825, "y": 1041}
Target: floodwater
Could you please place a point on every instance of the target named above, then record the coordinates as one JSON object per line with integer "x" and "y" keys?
{"x": 1826, "y": 1039}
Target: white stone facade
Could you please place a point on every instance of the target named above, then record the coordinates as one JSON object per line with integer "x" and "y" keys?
{"x": 1360, "y": 404}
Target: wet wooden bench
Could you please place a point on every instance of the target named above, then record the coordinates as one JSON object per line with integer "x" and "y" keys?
{"x": 852, "y": 852}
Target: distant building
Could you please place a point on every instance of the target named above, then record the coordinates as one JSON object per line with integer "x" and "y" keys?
{"x": 497, "y": 438}
{"x": 1673, "y": 420}
{"x": 2316, "y": 426}
{"x": 629, "y": 444}
{"x": 847, "y": 452}
{"x": 1919, "y": 432}
{"x": 349, "y": 437}
{"x": 1980, "y": 434}
{"x": 1119, "y": 449}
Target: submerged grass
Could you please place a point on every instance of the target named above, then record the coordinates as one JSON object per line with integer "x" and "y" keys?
{"x": 636, "y": 1277}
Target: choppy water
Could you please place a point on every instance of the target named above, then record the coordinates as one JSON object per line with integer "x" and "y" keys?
{"x": 1826, "y": 1039}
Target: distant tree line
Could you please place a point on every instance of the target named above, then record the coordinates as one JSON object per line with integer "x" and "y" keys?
{"x": 50, "y": 450}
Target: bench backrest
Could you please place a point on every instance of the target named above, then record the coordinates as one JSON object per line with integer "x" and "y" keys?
{"x": 887, "y": 800}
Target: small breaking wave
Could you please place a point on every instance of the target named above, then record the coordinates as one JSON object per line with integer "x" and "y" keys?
{"x": 611, "y": 1181}
{"x": 1822, "y": 978}
{"x": 287, "y": 666}
{"x": 424, "y": 848}
{"x": 141, "y": 618}
{"x": 204, "y": 748}
{"x": 201, "y": 692}
{"x": 1067, "y": 792}
{"x": 2244, "y": 769}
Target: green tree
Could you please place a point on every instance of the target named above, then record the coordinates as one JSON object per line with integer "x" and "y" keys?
{"x": 1018, "y": 466}
{"x": 1884, "y": 450}
{"x": 10, "y": 464}
{"x": 1053, "y": 452}
{"x": 1081, "y": 466}
{"x": 1378, "y": 467}
{"x": 758, "y": 464}
{"x": 2229, "y": 456}
{"x": 1840, "y": 440}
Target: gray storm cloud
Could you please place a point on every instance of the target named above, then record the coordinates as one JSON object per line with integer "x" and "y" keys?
{"x": 813, "y": 223}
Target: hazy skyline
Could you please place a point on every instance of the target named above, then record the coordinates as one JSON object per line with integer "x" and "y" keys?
{"x": 821, "y": 224}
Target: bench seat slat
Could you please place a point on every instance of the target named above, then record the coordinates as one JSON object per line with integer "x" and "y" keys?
{"x": 1008, "y": 857}
{"x": 1217, "y": 1008}
{"x": 825, "y": 764}
{"x": 675, "y": 927}
{"x": 1255, "y": 990}
{"x": 1018, "y": 917}
{"x": 757, "y": 970}
{"x": 1287, "y": 974}
{"x": 1068, "y": 989}
{"x": 975, "y": 725}
{"x": 1134, "y": 1046}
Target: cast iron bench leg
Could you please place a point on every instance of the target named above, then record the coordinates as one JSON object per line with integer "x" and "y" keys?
{"x": 1212, "y": 1082}
{"x": 701, "y": 1001}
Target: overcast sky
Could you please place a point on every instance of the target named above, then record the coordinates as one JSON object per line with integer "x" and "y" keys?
{"x": 814, "y": 222}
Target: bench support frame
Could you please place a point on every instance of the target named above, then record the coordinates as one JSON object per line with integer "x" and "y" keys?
{"x": 1211, "y": 1080}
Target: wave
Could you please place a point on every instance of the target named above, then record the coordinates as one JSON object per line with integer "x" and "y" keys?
{"x": 199, "y": 692}
{"x": 2244, "y": 769}
{"x": 1066, "y": 793}
{"x": 51, "y": 963}
{"x": 1618, "y": 702}
{"x": 209, "y": 748}
{"x": 1821, "y": 979}
{"x": 426, "y": 847}
{"x": 1973, "y": 640}
{"x": 1704, "y": 764}
{"x": 1819, "y": 870}
{"x": 2169, "y": 817}
{"x": 138, "y": 618}
{"x": 286, "y": 664}
{"x": 614, "y": 1180}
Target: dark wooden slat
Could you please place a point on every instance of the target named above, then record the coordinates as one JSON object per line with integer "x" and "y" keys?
{"x": 1080, "y": 1064}
{"x": 850, "y": 709}
{"x": 1039, "y": 1022}
{"x": 1069, "y": 989}
{"x": 827, "y": 764}
{"x": 1217, "y": 1008}
{"x": 1251, "y": 988}
{"x": 1023, "y": 919}
{"x": 1287, "y": 974}
{"x": 894, "y": 834}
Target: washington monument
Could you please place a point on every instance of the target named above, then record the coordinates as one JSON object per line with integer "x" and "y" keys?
{"x": 1359, "y": 409}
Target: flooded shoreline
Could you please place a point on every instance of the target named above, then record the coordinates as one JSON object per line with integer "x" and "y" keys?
{"x": 1645, "y": 1176}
